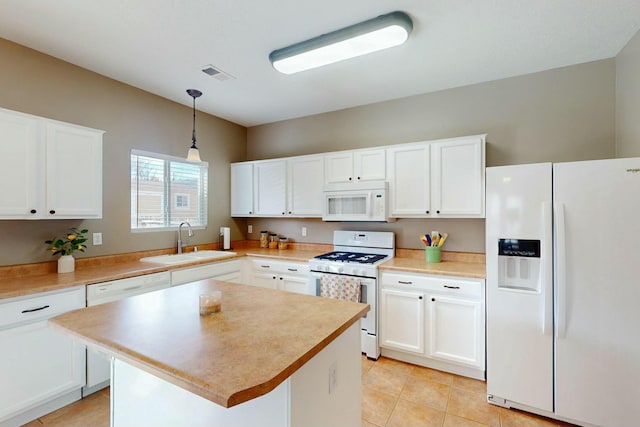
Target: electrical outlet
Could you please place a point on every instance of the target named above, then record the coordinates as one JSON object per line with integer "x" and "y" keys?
{"x": 97, "y": 239}
{"x": 304, "y": 231}
{"x": 333, "y": 376}
{"x": 250, "y": 229}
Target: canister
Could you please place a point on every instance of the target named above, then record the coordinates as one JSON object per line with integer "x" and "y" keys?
{"x": 264, "y": 239}
{"x": 273, "y": 241}
{"x": 282, "y": 243}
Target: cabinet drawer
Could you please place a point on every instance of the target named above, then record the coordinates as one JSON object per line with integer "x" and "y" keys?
{"x": 22, "y": 310}
{"x": 192, "y": 274}
{"x": 291, "y": 268}
{"x": 440, "y": 284}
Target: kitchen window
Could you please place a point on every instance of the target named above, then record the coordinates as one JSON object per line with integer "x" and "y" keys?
{"x": 167, "y": 190}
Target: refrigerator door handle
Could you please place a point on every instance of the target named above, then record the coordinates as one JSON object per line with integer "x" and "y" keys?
{"x": 561, "y": 285}
{"x": 547, "y": 270}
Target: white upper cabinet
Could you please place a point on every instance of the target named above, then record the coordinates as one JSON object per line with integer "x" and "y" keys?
{"x": 242, "y": 189}
{"x": 305, "y": 179}
{"x": 49, "y": 169}
{"x": 457, "y": 171}
{"x": 74, "y": 171}
{"x": 443, "y": 178}
{"x": 21, "y": 166}
{"x": 355, "y": 166}
{"x": 409, "y": 180}
{"x": 281, "y": 187}
{"x": 270, "y": 187}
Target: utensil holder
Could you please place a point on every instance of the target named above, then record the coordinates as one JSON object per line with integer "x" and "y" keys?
{"x": 432, "y": 254}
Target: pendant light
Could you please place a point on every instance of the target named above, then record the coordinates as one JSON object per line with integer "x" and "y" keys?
{"x": 194, "y": 154}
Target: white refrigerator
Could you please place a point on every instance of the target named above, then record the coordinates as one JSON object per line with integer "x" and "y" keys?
{"x": 563, "y": 290}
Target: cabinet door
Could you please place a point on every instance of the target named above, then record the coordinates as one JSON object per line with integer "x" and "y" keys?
{"x": 456, "y": 330}
{"x": 305, "y": 179}
{"x": 369, "y": 165}
{"x": 269, "y": 184}
{"x": 458, "y": 177}
{"x": 36, "y": 365}
{"x": 242, "y": 189}
{"x": 21, "y": 166}
{"x": 74, "y": 171}
{"x": 402, "y": 320}
{"x": 338, "y": 167}
{"x": 409, "y": 184}
{"x": 265, "y": 280}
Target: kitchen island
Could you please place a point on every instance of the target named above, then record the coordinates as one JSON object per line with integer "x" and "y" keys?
{"x": 269, "y": 358}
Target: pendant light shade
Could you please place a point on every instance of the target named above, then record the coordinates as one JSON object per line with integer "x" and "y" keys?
{"x": 379, "y": 33}
{"x": 194, "y": 154}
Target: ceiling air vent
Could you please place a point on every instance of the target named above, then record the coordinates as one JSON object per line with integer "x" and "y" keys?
{"x": 216, "y": 73}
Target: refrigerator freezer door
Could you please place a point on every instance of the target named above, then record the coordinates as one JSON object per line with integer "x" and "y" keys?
{"x": 598, "y": 351}
{"x": 519, "y": 333}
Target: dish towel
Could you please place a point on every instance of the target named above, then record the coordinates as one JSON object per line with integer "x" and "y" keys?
{"x": 344, "y": 288}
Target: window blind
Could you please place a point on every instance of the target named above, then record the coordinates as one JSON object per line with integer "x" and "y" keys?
{"x": 166, "y": 191}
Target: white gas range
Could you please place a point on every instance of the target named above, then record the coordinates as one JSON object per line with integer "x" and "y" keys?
{"x": 357, "y": 254}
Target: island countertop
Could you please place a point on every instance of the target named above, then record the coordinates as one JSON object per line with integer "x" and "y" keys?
{"x": 261, "y": 337}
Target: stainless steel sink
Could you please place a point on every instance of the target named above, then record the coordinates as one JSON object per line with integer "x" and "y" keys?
{"x": 188, "y": 257}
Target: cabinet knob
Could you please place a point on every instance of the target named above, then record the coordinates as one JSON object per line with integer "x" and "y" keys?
{"x": 52, "y": 212}
{"x": 250, "y": 212}
{"x": 358, "y": 178}
{"x": 282, "y": 213}
{"x": 349, "y": 178}
{"x": 33, "y": 211}
{"x": 433, "y": 299}
{"x": 289, "y": 212}
{"x": 420, "y": 297}
{"x": 437, "y": 212}
{"x": 274, "y": 277}
{"x": 427, "y": 211}
{"x": 281, "y": 278}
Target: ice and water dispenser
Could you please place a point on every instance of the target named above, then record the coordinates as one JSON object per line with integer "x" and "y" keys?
{"x": 519, "y": 264}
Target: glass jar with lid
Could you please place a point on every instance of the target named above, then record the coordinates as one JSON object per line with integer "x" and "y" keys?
{"x": 282, "y": 243}
{"x": 273, "y": 241}
{"x": 264, "y": 239}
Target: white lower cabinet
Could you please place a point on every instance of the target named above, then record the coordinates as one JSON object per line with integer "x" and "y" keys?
{"x": 456, "y": 330}
{"x": 434, "y": 321}
{"x": 283, "y": 275}
{"x": 406, "y": 330}
{"x": 41, "y": 369}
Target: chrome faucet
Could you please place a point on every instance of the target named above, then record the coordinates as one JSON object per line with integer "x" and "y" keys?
{"x": 189, "y": 234}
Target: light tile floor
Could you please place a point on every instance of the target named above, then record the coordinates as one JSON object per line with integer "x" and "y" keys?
{"x": 394, "y": 394}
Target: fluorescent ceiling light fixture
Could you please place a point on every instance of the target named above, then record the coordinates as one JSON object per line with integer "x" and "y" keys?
{"x": 379, "y": 33}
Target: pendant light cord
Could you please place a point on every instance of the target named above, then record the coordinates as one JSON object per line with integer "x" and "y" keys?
{"x": 193, "y": 133}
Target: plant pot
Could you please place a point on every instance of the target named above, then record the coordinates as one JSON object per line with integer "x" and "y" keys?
{"x": 66, "y": 264}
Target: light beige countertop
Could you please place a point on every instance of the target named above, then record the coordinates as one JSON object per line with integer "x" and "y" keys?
{"x": 452, "y": 264}
{"x": 28, "y": 279}
{"x": 33, "y": 278}
{"x": 261, "y": 337}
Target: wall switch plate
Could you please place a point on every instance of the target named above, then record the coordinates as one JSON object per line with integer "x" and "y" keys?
{"x": 250, "y": 229}
{"x": 97, "y": 239}
{"x": 304, "y": 231}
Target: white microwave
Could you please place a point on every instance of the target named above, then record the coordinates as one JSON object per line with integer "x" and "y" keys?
{"x": 358, "y": 201}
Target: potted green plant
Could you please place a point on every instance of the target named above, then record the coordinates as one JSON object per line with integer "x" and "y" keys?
{"x": 73, "y": 241}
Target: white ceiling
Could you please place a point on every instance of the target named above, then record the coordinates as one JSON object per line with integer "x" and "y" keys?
{"x": 161, "y": 45}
